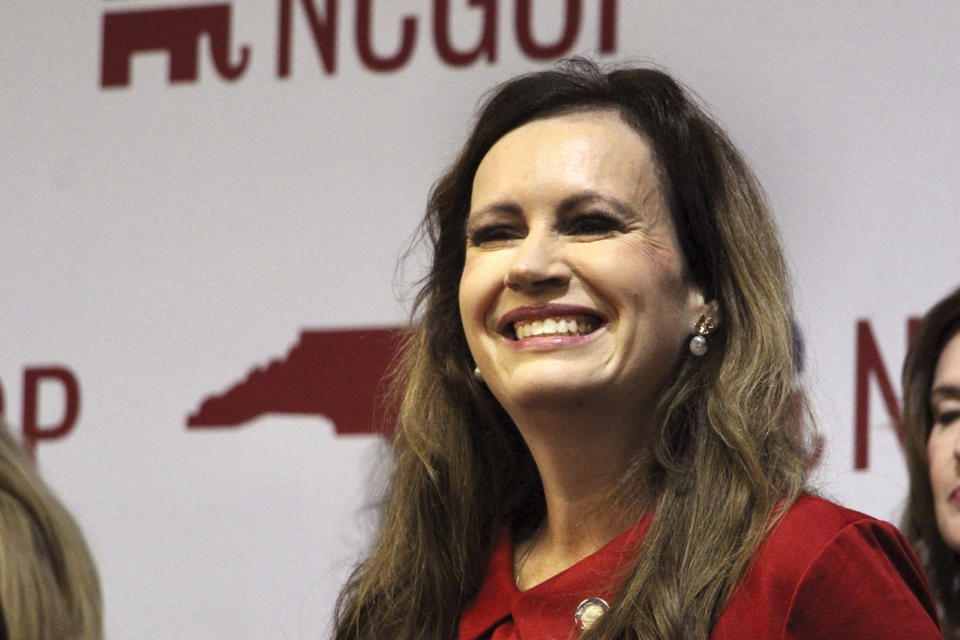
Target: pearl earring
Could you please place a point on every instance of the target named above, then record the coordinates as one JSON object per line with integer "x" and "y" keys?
{"x": 477, "y": 374}
{"x": 698, "y": 343}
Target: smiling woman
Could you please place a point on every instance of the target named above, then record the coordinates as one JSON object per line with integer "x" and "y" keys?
{"x": 568, "y": 225}
{"x": 931, "y": 389}
{"x": 601, "y": 429}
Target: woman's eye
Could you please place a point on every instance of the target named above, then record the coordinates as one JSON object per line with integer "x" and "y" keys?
{"x": 948, "y": 417}
{"x": 493, "y": 233}
{"x": 593, "y": 224}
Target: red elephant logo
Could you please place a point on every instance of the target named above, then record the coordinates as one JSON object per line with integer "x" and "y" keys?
{"x": 174, "y": 30}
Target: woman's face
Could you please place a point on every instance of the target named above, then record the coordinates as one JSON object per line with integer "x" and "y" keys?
{"x": 943, "y": 444}
{"x": 574, "y": 286}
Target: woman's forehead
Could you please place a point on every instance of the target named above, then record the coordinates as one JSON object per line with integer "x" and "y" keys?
{"x": 593, "y": 149}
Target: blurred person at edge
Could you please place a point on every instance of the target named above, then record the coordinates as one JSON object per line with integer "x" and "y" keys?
{"x": 49, "y": 588}
{"x": 600, "y": 429}
{"x": 931, "y": 426}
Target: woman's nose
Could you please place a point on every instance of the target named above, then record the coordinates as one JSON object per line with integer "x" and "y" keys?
{"x": 538, "y": 263}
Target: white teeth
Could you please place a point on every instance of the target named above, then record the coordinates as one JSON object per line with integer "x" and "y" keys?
{"x": 553, "y": 327}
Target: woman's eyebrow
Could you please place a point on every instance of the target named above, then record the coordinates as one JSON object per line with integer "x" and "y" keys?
{"x": 504, "y": 207}
{"x": 578, "y": 199}
{"x": 566, "y": 205}
{"x": 945, "y": 392}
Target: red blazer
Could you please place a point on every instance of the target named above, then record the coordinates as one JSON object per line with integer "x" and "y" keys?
{"x": 824, "y": 572}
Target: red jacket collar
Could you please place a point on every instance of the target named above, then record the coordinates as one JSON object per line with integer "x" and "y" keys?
{"x": 547, "y": 610}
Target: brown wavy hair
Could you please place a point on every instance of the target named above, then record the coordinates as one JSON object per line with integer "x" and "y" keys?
{"x": 730, "y": 452}
{"x": 49, "y": 588}
{"x": 942, "y": 563}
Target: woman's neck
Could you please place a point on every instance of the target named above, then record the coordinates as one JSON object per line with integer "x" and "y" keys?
{"x": 582, "y": 458}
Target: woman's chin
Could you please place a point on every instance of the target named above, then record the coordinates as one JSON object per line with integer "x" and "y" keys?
{"x": 557, "y": 389}
{"x": 951, "y": 536}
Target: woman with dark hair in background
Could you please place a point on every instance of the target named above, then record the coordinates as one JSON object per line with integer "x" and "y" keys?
{"x": 600, "y": 428}
{"x": 931, "y": 421}
{"x": 48, "y": 584}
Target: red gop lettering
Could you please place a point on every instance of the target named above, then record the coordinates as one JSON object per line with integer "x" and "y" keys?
{"x": 364, "y": 37}
{"x": 179, "y": 30}
{"x": 36, "y": 378}
{"x": 870, "y": 365}
{"x": 324, "y": 30}
{"x": 487, "y": 45}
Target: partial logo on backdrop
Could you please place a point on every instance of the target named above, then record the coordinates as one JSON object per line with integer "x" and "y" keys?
{"x": 46, "y": 385}
{"x": 870, "y": 366}
{"x": 176, "y": 31}
{"x": 339, "y": 375}
{"x": 180, "y": 31}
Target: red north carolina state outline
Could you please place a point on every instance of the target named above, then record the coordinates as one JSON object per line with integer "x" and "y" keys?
{"x": 338, "y": 374}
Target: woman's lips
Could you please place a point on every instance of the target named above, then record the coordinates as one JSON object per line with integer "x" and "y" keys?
{"x": 550, "y": 343}
{"x": 557, "y": 321}
{"x": 954, "y": 497}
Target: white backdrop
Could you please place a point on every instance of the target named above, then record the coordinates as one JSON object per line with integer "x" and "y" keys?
{"x": 161, "y": 240}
